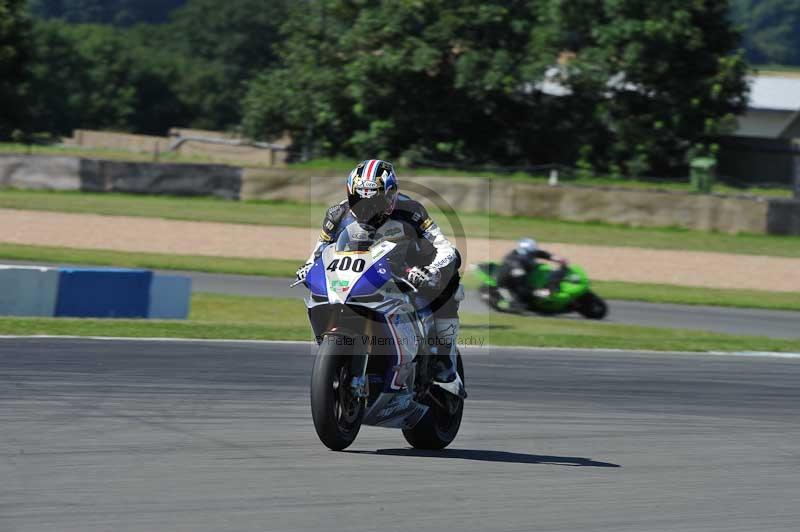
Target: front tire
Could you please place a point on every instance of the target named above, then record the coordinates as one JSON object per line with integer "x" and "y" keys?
{"x": 591, "y": 306}
{"x": 440, "y": 425}
{"x": 337, "y": 414}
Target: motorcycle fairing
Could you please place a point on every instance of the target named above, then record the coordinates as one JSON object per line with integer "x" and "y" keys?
{"x": 406, "y": 339}
{"x": 395, "y": 410}
{"x": 316, "y": 279}
{"x": 575, "y": 284}
{"x": 344, "y": 284}
{"x": 372, "y": 280}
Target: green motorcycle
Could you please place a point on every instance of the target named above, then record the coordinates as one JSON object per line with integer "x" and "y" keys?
{"x": 573, "y": 294}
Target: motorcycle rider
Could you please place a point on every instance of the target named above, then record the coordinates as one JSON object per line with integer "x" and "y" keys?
{"x": 373, "y": 200}
{"x": 513, "y": 275}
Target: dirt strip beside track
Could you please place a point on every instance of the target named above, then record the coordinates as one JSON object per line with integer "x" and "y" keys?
{"x": 153, "y": 235}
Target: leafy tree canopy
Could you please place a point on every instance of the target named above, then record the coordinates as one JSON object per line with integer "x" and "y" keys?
{"x": 660, "y": 76}
{"x": 117, "y": 12}
{"x": 14, "y": 59}
{"x": 191, "y": 71}
{"x": 771, "y": 30}
{"x": 231, "y": 42}
{"x": 462, "y": 81}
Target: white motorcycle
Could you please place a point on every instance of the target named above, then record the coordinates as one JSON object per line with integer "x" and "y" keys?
{"x": 374, "y": 364}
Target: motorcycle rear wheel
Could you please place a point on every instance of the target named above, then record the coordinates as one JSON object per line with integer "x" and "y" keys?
{"x": 439, "y": 427}
{"x": 336, "y": 412}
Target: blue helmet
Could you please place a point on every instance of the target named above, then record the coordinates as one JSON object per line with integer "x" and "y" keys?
{"x": 372, "y": 191}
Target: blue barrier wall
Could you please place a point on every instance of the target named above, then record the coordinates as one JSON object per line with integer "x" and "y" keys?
{"x": 103, "y": 293}
{"x": 92, "y": 293}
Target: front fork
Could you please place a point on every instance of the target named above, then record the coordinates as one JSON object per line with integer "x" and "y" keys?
{"x": 358, "y": 369}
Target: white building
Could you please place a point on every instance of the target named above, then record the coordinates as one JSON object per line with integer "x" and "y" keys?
{"x": 765, "y": 148}
{"x": 774, "y": 107}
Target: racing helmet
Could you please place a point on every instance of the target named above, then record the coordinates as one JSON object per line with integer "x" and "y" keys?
{"x": 527, "y": 246}
{"x": 372, "y": 191}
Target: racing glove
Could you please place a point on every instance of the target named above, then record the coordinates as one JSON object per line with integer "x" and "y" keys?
{"x": 420, "y": 277}
{"x": 302, "y": 271}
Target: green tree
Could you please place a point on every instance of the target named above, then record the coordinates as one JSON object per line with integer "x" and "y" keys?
{"x": 223, "y": 44}
{"x": 83, "y": 77}
{"x": 661, "y": 76}
{"x": 192, "y": 71}
{"x": 425, "y": 80}
{"x": 117, "y": 12}
{"x": 14, "y": 58}
{"x": 771, "y": 30}
{"x": 467, "y": 81}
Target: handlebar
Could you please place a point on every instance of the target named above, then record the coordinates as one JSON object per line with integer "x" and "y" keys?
{"x": 406, "y": 282}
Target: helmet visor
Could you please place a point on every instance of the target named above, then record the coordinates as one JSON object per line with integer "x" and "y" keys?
{"x": 368, "y": 209}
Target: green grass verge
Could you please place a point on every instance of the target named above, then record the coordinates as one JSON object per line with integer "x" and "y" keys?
{"x": 685, "y": 295}
{"x": 689, "y": 295}
{"x": 235, "y": 317}
{"x": 474, "y": 225}
{"x": 654, "y": 293}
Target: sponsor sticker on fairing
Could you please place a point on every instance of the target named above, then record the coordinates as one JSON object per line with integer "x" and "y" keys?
{"x": 339, "y": 286}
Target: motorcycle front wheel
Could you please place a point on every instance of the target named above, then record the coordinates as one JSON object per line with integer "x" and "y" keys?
{"x": 591, "y": 306}
{"x": 337, "y": 413}
{"x": 440, "y": 425}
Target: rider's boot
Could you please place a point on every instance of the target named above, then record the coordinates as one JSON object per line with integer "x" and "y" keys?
{"x": 445, "y": 347}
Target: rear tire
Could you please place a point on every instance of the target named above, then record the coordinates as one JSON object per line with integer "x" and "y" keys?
{"x": 439, "y": 427}
{"x": 336, "y": 412}
{"x": 489, "y": 296}
{"x": 591, "y": 306}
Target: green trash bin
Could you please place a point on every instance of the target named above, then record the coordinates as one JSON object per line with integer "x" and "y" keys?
{"x": 702, "y": 174}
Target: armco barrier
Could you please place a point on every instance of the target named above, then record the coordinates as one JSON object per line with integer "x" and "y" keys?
{"x": 28, "y": 291}
{"x": 92, "y": 293}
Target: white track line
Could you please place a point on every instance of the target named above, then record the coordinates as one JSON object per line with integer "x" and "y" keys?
{"x": 761, "y": 354}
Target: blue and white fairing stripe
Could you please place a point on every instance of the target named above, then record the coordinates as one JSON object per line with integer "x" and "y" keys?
{"x": 316, "y": 281}
{"x": 372, "y": 280}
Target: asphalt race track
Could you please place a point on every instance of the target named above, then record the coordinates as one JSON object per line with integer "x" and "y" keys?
{"x": 773, "y": 324}
{"x": 204, "y": 436}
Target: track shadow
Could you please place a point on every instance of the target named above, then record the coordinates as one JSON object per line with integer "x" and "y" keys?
{"x": 492, "y": 456}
